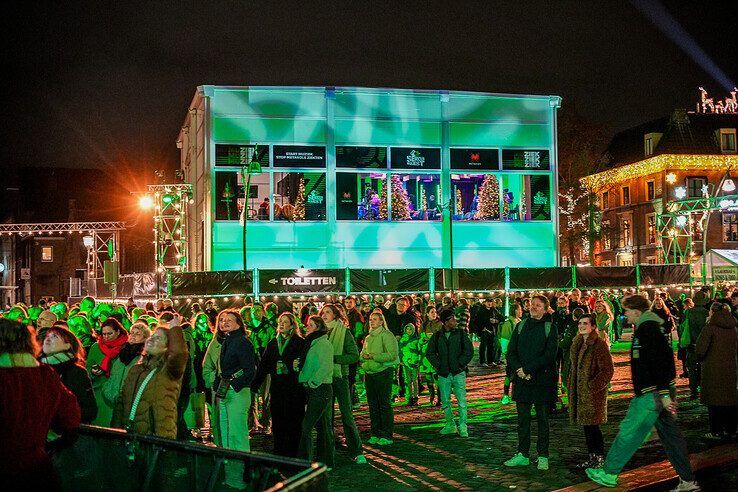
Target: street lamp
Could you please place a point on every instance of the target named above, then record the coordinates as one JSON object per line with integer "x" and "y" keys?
{"x": 253, "y": 169}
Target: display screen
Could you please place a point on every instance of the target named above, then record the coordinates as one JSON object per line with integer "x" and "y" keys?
{"x": 240, "y": 155}
{"x": 525, "y": 160}
{"x": 475, "y": 159}
{"x": 540, "y": 197}
{"x": 415, "y": 158}
{"x": 361, "y": 157}
{"x": 298, "y": 156}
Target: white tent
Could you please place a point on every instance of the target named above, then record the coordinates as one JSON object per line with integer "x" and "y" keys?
{"x": 723, "y": 263}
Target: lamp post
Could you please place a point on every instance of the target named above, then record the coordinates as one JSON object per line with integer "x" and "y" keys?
{"x": 252, "y": 169}
{"x": 450, "y": 207}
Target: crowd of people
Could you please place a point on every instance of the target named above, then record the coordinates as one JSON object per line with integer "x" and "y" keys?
{"x": 256, "y": 369}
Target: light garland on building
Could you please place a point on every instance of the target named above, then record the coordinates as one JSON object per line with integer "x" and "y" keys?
{"x": 658, "y": 164}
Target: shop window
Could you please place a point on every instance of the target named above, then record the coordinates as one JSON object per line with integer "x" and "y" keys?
{"x": 730, "y": 226}
{"x": 727, "y": 140}
{"x": 478, "y": 197}
{"x": 229, "y": 196}
{"x": 359, "y": 196}
{"x": 625, "y": 238}
{"x": 414, "y": 196}
{"x": 625, "y": 260}
{"x": 651, "y": 228}
{"x": 524, "y": 197}
{"x": 47, "y": 254}
{"x": 695, "y": 186}
{"x": 298, "y": 196}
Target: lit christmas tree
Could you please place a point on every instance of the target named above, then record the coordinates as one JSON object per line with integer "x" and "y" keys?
{"x": 383, "y": 203}
{"x": 228, "y": 198}
{"x": 423, "y": 199}
{"x": 300, "y": 201}
{"x": 400, "y": 200}
{"x": 459, "y": 204}
{"x": 488, "y": 207}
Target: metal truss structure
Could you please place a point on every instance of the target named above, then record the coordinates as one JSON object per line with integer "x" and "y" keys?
{"x": 104, "y": 238}
{"x": 171, "y": 204}
{"x": 685, "y": 221}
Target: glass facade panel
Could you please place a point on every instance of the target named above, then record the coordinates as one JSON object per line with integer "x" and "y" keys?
{"x": 415, "y": 196}
{"x": 358, "y": 195}
{"x": 299, "y": 196}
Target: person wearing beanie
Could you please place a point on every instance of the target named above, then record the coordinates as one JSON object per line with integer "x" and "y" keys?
{"x": 449, "y": 352}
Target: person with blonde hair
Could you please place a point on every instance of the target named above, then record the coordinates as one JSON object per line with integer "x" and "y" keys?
{"x": 604, "y": 317}
{"x": 379, "y": 360}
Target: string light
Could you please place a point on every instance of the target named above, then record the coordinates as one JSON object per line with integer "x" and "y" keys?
{"x": 658, "y": 164}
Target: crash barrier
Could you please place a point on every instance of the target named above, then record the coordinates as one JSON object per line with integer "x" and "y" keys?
{"x": 110, "y": 459}
{"x": 364, "y": 281}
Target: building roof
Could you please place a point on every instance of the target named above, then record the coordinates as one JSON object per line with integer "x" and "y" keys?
{"x": 688, "y": 141}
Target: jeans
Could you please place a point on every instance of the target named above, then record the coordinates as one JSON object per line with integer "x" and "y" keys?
{"x": 594, "y": 439}
{"x": 411, "y": 381}
{"x": 342, "y": 393}
{"x": 318, "y": 417}
{"x": 489, "y": 347}
{"x": 722, "y": 419}
{"x": 646, "y": 411}
{"x": 542, "y": 412}
{"x": 379, "y": 398}
{"x": 457, "y": 384}
{"x": 233, "y": 424}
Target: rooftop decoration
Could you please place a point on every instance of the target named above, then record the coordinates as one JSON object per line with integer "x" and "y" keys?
{"x": 708, "y": 105}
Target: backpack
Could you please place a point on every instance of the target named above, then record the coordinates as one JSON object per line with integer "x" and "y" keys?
{"x": 521, "y": 324}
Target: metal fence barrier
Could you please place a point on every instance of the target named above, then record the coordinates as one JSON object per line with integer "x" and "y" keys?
{"x": 111, "y": 459}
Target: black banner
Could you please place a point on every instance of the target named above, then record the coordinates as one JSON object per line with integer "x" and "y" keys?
{"x": 540, "y": 197}
{"x": 389, "y": 281}
{"x": 664, "y": 274}
{"x": 415, "y": 158}
{"x": 240, "y": 155}
{"x": 475, "y": 159}
{"x": 361, "y": 157}
{"x": 301, "y": 281}
{"x": 298, "y": 156}
{"x": 471, "y": 279}
{"x": 525, "y": 160}
{"x": 541, "y": 278}
{"x": 590, "y": 277}
{"x": 211, "y": 283}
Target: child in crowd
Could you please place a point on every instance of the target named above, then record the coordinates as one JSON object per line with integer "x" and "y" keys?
{"x": 410, "y": 360}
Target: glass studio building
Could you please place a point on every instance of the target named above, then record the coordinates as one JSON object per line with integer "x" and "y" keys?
{"x": 370, "y": 178}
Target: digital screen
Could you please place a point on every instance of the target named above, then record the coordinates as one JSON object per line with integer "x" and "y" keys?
{"x": 415, "y": 158}
{"x": 240, "y": 155}
{"x": 298, "y": 156}
{"x": 361, "y": 157}
{"x": 475, "y": 159}
{"x": 525, "y": 160}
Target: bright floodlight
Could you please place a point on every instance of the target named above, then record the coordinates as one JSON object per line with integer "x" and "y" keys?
{"x": 146, "y": 202}
{"x": 88, "y": 241}
{"x": 681, "y": 220}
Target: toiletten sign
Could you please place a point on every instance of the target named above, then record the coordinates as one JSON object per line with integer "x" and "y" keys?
{"x": 301, "y": 281}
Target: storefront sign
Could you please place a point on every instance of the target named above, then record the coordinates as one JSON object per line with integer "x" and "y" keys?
{"x": 525, "y": 160}
{"x": 361, "y": 157}
{"x": 415, "y": 158}
{"x": 298, "y": 156}
{"x": 301, "y": 281}
{"x": 727, "y": 273}
{"x": 475, "y": 159}
{"x": 540, "y": 189}
{"x": 240, "y": 155}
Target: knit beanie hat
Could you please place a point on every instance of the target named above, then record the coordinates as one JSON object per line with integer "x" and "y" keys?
{"x": 446, "y": 315}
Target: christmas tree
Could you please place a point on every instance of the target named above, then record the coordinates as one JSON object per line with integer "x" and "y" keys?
{"x": 300, "y": 201}
{"x": 489, "y": 199}
{"x": 383, "y": 203}
{"x": 228, "y": 198}
{"x": 459, "y": 204}
{"x": 400, "y": 201}
{"x": 423, "y": 199}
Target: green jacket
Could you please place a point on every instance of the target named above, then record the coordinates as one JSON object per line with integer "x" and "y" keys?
{"x": 382, "y": 344}
{"x": 318, "y": 367}
{"x": 409, "y": 350}
{"x": 211, "y": 362}
{"x": 104, "y": 408}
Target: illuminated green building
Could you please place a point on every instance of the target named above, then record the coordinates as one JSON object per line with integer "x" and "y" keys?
{"x": 371, "y": 178}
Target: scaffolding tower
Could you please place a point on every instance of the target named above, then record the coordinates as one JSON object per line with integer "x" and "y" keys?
{"x": 171, "y": 204}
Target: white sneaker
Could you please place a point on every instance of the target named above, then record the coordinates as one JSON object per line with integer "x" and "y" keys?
{"x": 518, "y": 460}
{"x": 685, "y": 486}
{"x": 463, "y": 430}
{"x": 449, "y": 429}
{"x": 542, "y": 463}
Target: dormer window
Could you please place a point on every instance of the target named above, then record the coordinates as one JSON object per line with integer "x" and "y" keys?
{"x": 727, "y": 140}
{"x": 650, "y": 141}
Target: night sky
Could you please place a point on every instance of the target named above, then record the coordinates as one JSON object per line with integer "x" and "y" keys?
{"x": 106, "y": 85}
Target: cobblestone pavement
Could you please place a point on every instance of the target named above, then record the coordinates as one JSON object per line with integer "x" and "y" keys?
{"x": 422, "y": 459}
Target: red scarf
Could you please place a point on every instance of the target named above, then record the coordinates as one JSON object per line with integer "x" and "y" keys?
{"x": 111, "y": 350}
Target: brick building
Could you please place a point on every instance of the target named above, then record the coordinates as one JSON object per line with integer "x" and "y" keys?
{"x": 646, "y": 168}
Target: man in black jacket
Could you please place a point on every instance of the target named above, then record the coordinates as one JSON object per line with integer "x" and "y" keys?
{"x": 654, "y": 404}
{"x": 531, "y": 356}
{"x": 486, "y": 321}
{"x": 449, "y": 351}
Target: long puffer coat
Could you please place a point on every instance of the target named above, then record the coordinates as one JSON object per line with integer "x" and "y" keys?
{"x": 156, "y": 413}
{"x": 590, "y": 371}
{"x": 716, "y": 347}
